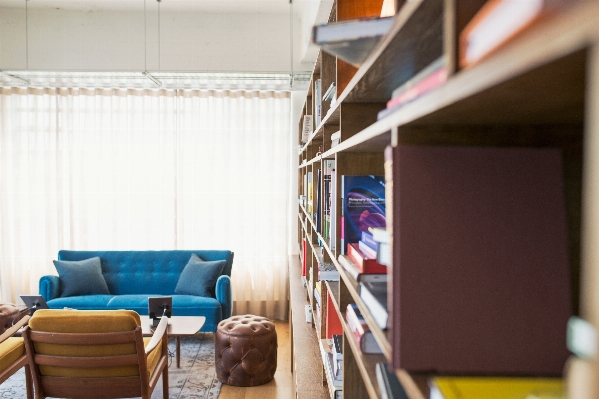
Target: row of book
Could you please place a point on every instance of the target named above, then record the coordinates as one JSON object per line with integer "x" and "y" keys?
{"x": 496, "y": 23}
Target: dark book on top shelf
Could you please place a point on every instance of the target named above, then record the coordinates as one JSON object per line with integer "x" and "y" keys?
{"x": 498, "y": 21}
{"x": 480, "y": 274}
{"x": 351, "y": 40}
{"x": 363, "y": 206}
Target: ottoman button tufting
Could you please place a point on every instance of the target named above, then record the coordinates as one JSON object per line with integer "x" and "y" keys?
{"x": 259, "y": 336}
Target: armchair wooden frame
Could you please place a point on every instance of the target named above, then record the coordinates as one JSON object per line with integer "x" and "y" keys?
{"x": 20, "y": 362}
{"x": 141, "y": 385}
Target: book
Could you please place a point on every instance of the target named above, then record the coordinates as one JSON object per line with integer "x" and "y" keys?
{"x": 328, "y": 167}
{"x": 319, "y": 183}
{"x": 351, "y": 268}
{"x": 363, "y": 206}
{"x": 351, "y": 40}
{"x": 306, "y": 128}
{"x": 364, "y": 264}
{"x": 499, "y": 21}
{"x": 374, "y": 295}
{"x": 481, "y": 248}
{"x": 337, "y": 350}
{"x": 310, "y": 195}
{"x": 333, "y": 224}
{"x": 433, "y": 75}
{"x": 335, "y": 138}
{"x": 333, "y": 323}
{"x": 380, "y": 234}
{"x": 304, "y": 257}
{"x": 317, "y": 103}
{"x": 368, "y": 239}
{"x": 327, "y": 361}
{"x": 496, "y": 388}
{"x": 330, "y": 94}
{"x": 389, "y": 385}
{"x": 362, "y": 334}
{"x": 366, "y": 250}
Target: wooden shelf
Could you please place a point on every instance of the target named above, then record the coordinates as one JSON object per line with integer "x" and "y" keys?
{"x": 541, "y": 89}
{"x": 305, "y": 352}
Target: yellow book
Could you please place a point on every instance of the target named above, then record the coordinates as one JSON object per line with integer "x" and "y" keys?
{"x": 496, "y": 388}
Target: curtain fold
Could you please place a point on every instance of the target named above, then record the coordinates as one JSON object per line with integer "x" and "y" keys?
{"x": 99, "y": 169}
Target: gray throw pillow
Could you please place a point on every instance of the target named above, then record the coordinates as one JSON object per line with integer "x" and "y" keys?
{"x": 83, "y": 277}
{"x": 199, "y": 277}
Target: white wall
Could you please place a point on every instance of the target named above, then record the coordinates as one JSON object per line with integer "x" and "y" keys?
{"x": 56, "y": 35}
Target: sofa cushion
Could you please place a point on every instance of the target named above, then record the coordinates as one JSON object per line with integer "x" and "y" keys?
{"x": 82, "y": 277}
{"x": 199, "y": 277}
{"x": 82, "y": 302}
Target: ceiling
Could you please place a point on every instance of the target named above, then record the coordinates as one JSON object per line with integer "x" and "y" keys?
{"x": 211, "y": 6}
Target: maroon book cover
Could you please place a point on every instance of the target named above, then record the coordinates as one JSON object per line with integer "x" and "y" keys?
{"x": 480, "y": 275}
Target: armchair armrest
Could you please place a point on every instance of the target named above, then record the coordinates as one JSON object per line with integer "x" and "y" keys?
{"x": 224, "y": 295}
{"x": 10, "y": 331}
{"x": 159, "y": 333}
{"x": 49, "y": 287}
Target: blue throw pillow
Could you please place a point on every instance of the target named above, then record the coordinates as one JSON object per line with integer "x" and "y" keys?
{"x": 199, "y": 277}
{"x": 83, "y": 277}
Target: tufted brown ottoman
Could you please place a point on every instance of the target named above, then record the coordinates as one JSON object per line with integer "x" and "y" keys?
{"x": 245, "y": 350}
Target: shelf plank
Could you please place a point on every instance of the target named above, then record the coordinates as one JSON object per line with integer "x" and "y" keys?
{"x": 305, "y": 349}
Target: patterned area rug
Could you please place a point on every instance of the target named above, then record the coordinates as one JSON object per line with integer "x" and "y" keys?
{"x": 196, "y": 379}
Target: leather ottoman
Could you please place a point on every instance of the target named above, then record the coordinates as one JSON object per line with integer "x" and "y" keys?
{"x": 245, "y": 351}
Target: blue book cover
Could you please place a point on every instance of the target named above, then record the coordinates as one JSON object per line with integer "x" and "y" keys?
{"x": 369, "y": 240}
{"x": 363, "y": 206}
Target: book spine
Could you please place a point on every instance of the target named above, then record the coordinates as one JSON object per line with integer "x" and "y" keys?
{"x": 376, "y": 309}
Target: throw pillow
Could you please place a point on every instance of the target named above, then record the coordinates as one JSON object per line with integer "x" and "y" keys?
{"x": 199, "y": 277}
{"x": 83, "y": 277}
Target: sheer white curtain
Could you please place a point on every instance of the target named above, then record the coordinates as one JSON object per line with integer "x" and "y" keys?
{"x": 146, "y": 169}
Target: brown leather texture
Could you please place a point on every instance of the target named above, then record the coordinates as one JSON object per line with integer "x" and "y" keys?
{"x": 8, "y": 314}
{"x": 245, "y": 350}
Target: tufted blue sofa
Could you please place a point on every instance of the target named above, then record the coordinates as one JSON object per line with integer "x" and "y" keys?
{"x": 133, "y": 276}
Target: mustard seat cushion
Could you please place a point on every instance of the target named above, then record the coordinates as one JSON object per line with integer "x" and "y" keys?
{"x": 10, "y": 351}
{"x": 89, "y": 321}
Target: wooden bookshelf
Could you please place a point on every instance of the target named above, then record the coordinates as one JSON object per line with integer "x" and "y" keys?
{"x": 539, "y": 90}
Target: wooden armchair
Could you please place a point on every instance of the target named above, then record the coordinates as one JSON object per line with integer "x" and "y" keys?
{"x": 95, "y": 354}
{"x": 12, "y": 355}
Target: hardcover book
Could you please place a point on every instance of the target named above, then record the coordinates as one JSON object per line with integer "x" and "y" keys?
{"x": 306, "y": 128}
{"x": 351, "y": 268}
{"x": 360, "y": 330}
{"x": 363, "y": 206}
{"x": 351, "y": 40}
{"x": 496, "y": 388}
{"x": 480, "y": 246}
{"x": 374, "y": 295}
{"x": 364, "y": 264}
{"x": 497, "y": 22}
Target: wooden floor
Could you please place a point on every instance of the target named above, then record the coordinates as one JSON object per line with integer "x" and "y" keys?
{"x": 282, "y": 385}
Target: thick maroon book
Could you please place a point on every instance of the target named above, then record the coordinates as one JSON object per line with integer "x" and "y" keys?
{"x": 479, "y": 283}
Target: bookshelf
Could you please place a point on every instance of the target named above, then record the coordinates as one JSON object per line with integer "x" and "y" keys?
{"x": 538, "y": 91}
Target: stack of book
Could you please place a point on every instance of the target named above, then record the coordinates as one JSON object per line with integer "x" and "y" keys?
{"x": 337, "y": 350}
{"x": 360, "y": 330}
{"x": 382, "y": 238}
{"x": 363, "y": 206}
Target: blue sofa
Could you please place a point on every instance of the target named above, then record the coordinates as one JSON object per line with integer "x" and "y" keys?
{"x": 133, "y": 276}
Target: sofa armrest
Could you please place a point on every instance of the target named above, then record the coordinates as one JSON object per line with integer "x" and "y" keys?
{"x": 49, "y": 287}
{"x": 224, "y": 295}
